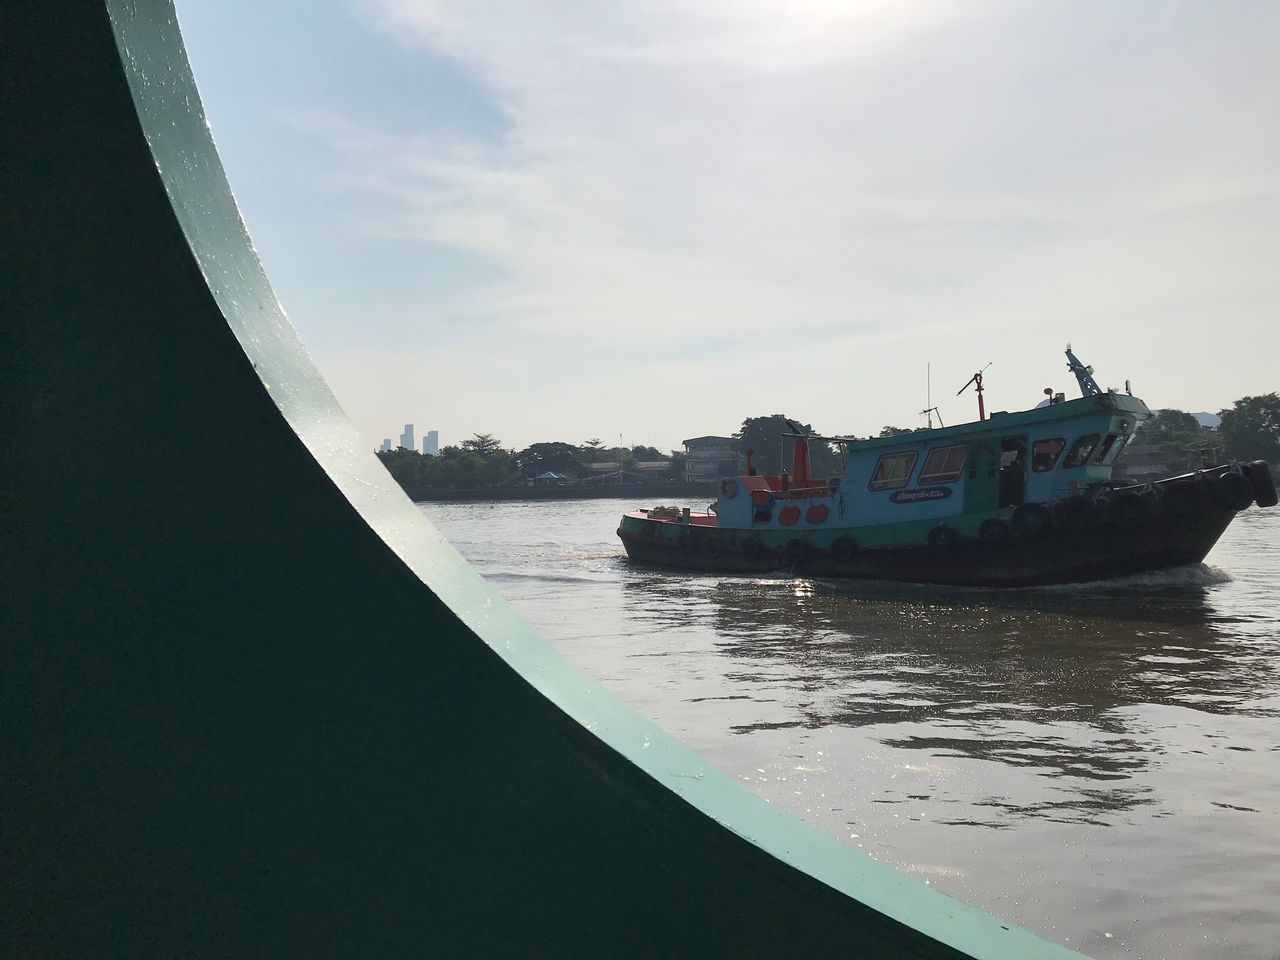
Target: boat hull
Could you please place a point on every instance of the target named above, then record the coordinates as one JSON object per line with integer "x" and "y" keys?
{"x": 1062, "y": 552}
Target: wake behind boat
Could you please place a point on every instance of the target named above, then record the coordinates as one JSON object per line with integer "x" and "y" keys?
{"x": 1017, "y": 499}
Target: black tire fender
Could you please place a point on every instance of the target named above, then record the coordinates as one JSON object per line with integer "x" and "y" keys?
{"x": 942, "y": 536}
{"x": 994, "y": 530}
{"x": 1077, "y": 512}
{"x": 1031, "y": 520}
{"x": 1264, "y": 485}
{"x": 844, "y": 549}
{"x": 1234, "y": 490}
{"x": 728, "y": 488}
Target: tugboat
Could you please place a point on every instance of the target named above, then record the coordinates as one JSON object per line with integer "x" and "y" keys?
{"x": 1013, "y": 499}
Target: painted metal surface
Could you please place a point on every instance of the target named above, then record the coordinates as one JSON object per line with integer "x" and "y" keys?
{"x": 1015, "y": 500}
{"x": 1070, "y": 548}
{"x": 253, "y": 704}
{"x": 893, "y": 514}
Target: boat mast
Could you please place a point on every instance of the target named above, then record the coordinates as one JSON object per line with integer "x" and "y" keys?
{"x": 976, "y": 380}
{"x": 1088, "y": 388}
{"x": 930, "y": 410}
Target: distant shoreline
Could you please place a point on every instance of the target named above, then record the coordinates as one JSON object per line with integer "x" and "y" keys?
{"x": 646, "y": 493}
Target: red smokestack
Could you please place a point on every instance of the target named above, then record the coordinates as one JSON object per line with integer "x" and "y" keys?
{"x": 800, "y": 463}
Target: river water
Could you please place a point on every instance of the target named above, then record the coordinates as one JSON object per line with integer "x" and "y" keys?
{"x": 1098, "y": 763}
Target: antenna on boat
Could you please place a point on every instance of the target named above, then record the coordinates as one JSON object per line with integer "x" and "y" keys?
{"x": 976, "y": 380}
{"x": 930, "y": 410}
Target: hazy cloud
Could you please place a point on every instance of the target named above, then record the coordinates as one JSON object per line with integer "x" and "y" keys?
{"x": 699, "y": 212}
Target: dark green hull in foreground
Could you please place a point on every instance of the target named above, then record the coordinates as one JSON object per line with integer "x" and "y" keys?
{"x": 252, "y": 703}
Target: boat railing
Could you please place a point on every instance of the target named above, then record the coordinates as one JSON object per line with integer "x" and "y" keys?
{"x": 803, "y": 493}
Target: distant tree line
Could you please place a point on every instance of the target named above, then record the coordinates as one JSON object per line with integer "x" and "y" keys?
{"x": 482, "y": 462}
{"x": 771, "y": 441}
{"x": 1250, "y": 430}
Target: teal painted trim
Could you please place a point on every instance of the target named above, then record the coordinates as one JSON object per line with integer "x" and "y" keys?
{"x": 1003, "y": 424}
{"x": 253, "y": 703}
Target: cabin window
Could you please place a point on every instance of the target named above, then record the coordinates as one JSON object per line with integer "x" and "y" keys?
{"x": 943, "y": 465}
{"x": 1080, "y": 451}
{"x": 893, "y": 470}
{"x": 1110, "y": 449}
{"x": 1044, "y": 453}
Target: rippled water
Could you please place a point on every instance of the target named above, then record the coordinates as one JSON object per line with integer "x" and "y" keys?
{"x": 1098, "y": 763}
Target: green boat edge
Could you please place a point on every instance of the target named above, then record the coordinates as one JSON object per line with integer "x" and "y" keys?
{"x": 254, "y": 703}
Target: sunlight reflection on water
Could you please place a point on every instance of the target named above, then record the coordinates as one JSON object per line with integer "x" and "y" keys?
{"x": 1096, "y": 762}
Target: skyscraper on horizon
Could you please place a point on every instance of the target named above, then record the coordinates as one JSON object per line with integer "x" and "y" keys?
{"x": 431, "y": 443}
{"x": 386, "y": 445}
{"x": 406, "y": 438}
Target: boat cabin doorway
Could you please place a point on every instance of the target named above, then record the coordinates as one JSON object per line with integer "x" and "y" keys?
{"x": 997, "y": 472}
{"x": 1013, "y": 471}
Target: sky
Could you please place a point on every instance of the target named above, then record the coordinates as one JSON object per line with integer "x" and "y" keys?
{"x": 643, "y": 222}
